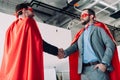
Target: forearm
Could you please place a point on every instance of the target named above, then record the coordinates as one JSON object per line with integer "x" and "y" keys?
{"x": 108, "y": 53}
{"x": 71, "y": 49}
{"x": 50, "y": 49}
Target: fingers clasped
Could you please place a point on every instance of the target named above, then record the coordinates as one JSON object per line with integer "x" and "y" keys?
{"x": 60, "y": 53}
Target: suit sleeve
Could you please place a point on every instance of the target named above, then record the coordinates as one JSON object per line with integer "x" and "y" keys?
{"x": 50, "y": 49}
{"x": 110, "y": 47}
{"x": 71, "y": 49}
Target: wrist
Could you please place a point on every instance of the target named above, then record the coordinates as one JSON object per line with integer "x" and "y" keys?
{"x": 105, "y": 64}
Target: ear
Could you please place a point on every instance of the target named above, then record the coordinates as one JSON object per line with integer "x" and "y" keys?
{"x": 24, "y": 12}
{"x": 92, "y": 17}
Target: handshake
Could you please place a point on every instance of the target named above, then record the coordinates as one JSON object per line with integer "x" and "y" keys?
{"x": 61, "y": 53}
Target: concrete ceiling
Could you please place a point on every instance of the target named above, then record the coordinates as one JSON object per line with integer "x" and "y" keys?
{"x": 103, "y": 14}
{"x": 62, "y": 14}
{"x": 7, "y": 6}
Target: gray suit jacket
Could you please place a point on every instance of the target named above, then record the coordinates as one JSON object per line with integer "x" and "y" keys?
{"x": 101, "y": 43}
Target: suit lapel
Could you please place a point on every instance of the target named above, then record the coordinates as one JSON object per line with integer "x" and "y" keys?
{"x": 92, "y": 30}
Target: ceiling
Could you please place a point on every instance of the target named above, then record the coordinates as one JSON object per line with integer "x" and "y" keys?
{"x": 64, "y": 13}
{"x": 53, "y": 15}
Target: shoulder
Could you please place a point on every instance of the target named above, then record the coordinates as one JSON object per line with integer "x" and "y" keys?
{"x": 100, "y": 29}
{"x": 12, "y": 24}
{"x": 100, "y": 24}
{"x": 29, "y": 20}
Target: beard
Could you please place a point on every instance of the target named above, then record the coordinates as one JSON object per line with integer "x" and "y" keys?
{"x": 84, "y": 22}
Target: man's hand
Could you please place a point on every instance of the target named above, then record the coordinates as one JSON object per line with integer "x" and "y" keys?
{"x": 101, "y": 66}
{"x": 60, "y": 53}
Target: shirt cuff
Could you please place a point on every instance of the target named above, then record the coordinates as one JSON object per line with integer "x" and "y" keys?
{"x": 65, "y": 54}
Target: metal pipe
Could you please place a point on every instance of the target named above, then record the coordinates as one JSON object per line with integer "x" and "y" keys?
{"x": 38, "y": 3}
{"x": 101, "y": 4}
{"x": 93, "y": 4}
{"x": 108, "y": 6}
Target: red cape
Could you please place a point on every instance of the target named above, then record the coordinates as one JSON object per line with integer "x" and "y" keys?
{"x": 23, "y": 52}
{"x": 73, "y": 59}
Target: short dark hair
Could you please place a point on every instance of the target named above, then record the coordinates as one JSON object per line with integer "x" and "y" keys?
{"x": 21, "y": 6}
{"x": 90, "y": 11}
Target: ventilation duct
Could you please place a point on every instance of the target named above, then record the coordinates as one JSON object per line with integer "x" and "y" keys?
{"x": 116, "y": 14}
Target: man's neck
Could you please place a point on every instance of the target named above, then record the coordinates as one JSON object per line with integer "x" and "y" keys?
{"x": 22, "y": 16}
{"x": 90, "y": 23}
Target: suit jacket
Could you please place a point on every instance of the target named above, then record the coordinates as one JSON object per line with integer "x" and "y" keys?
{"x": 101, "y": 43}
{"x": 73, "y": 58}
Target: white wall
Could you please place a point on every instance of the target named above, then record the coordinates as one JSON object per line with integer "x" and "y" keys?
{"x": 54, "y": 35}
{"x": 118, "y": 47}
{"x": 5, "y": 21}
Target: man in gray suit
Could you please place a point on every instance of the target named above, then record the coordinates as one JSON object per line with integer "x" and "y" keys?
{"x": 95, "y": 48}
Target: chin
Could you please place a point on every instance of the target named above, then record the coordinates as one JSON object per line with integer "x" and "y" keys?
{"x": 84, "y": 23}
{"x": 31, "y": 16}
